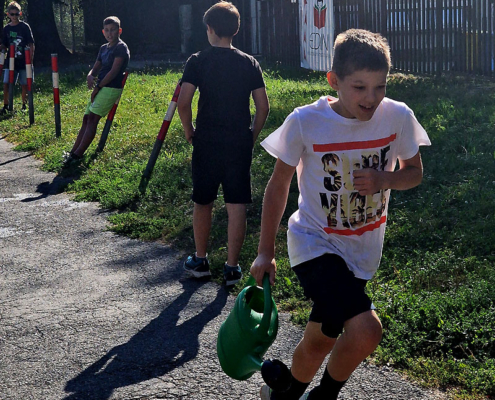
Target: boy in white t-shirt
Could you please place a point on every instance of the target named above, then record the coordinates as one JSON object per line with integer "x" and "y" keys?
{"x": 345, "y": 151}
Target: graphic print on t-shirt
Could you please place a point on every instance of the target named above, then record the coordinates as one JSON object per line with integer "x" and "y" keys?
{"x": 349, "y": 213}
{"x": 16, "y": 39}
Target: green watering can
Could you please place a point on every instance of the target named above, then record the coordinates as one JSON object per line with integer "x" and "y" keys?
{"x": 246, "y": 335}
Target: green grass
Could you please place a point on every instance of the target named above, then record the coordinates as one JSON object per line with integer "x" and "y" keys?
{"x": 435, "y": 289}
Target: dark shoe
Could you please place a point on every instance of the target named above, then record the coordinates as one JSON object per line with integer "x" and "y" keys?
{"x": 231, "y": 275}
{"x": 70, "y": 160}
{"x": 5, "y": 109}
{"x": 24, "y": 108}
{"x": 197, "y": 267}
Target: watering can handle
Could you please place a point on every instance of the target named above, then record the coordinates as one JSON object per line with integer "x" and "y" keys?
{"x": 267, "y": 312}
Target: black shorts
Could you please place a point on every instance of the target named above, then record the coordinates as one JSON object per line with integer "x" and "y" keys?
{"x": 215, "y": 164}
{"x": 336, "y": 293}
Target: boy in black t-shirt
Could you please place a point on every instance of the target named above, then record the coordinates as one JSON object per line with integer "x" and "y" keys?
{"x": 224, "y": 135}
{"x": 105, "y": 78}
{"x": 19, "y": 34}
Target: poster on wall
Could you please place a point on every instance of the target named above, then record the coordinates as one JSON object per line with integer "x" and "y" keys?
{"x": 317, "y": 30}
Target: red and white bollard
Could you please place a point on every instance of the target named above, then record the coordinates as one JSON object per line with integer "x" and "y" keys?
{"x": 2, "y": 61}
{"x": 29, "y": 77}
{"x": 110, "y": 117}
{"x": 56, "y": 94}
{"x": 11, "y": 76}
{"x": 160, "y": 138}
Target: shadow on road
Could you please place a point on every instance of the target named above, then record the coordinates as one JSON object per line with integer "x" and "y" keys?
{"x": 15, "y": 159}
{"x": 157, "y": 349}
{"x": 57, "y": 186}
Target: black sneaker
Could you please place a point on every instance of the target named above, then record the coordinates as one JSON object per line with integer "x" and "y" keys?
{"x": 197, "y": 267}
{"x": 70, "y": 160}
{"x": 231, "y": 275}
{"x": 24, "y": 108}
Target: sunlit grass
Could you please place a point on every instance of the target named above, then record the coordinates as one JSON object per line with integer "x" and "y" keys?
{"x": 435, "y": 287}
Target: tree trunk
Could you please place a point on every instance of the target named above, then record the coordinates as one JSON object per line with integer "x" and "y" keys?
{"x": 46, "y": 37}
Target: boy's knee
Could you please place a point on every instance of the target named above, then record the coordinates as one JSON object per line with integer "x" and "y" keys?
{"x": 316, "y": 343}
{"x": 366, "y": 329}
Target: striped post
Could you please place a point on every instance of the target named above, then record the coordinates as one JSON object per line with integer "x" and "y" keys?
{"x": 29, "y": 76}
{"x": 56, "y": 94}
{"x": 159, "y": 140}
{"x": 11, "y": 76}
{"x": 111, "y": 115}
{"x": 2, "y": 61}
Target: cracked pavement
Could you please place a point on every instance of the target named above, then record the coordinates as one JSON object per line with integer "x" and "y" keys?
{"x": 87, "y": 314}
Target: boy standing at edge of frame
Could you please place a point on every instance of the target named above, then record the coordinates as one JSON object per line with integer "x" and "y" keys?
{"x": 224, "y": 136}
{"x": 345, "y": 151}
{"x": 19, "y": 33}
{"x": 105, "y": 78}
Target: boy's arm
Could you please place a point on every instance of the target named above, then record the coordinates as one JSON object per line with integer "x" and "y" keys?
{"x": 410, "y": 174}
{"x": 185, "y": 110}
{"x": 274, "y": 204}
{"x": 93, "y": 74}
{"x": 116, "y": 68}
{"x": 262, "y": 109}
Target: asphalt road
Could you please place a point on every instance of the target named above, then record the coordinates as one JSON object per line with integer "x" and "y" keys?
{"x": 87, "y": 314}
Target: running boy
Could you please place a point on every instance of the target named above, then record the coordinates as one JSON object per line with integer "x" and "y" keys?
{"x": 345, "y": 152}
{"x": 105, "y": 78}
{"x": 19, "y": 34}
{"x": 224, "y": 135}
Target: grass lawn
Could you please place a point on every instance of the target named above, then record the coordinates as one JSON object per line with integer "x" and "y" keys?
{"x": 435, "y": 289}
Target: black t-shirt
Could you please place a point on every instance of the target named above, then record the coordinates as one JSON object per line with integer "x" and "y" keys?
{"x": 20, "y": 35}
{"x": 107, "y": 56}
{"x": 225, "y": 78}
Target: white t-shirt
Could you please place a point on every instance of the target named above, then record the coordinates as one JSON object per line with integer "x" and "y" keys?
{"x": 326, "y": 148}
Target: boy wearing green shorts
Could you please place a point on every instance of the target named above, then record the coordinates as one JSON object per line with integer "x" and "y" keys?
{"x": 105, "y": 78}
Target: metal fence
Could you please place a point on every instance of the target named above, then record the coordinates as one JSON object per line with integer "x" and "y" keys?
{"x": 428, "y": 36}
{"x": 425, "y": 36}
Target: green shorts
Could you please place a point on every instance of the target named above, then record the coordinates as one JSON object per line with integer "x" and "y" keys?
{"x": 104, "y": 101}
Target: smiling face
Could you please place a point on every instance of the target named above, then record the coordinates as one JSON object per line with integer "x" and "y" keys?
{"x": 112, "y": 33}
{"x": 14, "y": 15}
{"x": 360, "y": 93}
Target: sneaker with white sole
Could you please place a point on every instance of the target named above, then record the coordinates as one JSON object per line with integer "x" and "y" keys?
{"x": 265, "y": 392}
{"x": 231, "y": 275}
{"x": 197, "y": 267}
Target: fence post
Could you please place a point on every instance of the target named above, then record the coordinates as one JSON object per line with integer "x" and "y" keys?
{"x": 29, "y": 77}
{"x": 159, "y": 140}
{"x": 439, "y": 37}
{"x": 11, "y": 76}
{"x": 111, "y": 115}
{"x": 56, "y": 94}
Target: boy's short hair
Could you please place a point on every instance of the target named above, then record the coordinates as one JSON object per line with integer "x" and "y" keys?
{"x": 13, "y": 5}
{"x": 111, "y": 20}
{"x": 359, "y": 49}
{"x": 224, "y": 18}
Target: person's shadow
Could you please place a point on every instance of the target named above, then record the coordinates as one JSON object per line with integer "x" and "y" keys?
{"x": 155, "y": 350}
{"x": 56, "y": 186}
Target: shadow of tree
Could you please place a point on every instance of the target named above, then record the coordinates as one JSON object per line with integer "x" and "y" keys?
{"x": 155, "y": 350}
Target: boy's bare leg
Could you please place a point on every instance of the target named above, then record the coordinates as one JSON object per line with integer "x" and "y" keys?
{"x": 5, "y": 94}
{"x": 24, "y": 94}
{"x": 202, "y": 227}
{"x": 236, "y": 231}
{"x": 81, "y": 133}
{"x": 361, "y": 336}
{"x": 88, "y": 134}
{"x": 310, "y": 352}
